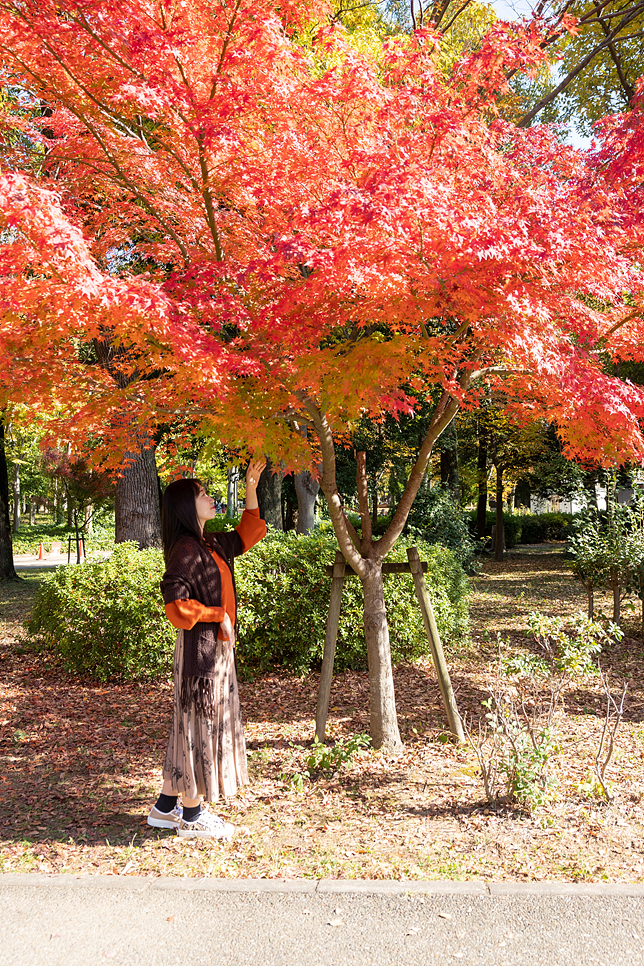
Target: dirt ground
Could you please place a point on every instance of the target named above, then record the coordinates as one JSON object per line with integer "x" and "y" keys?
{"x": 81, "y": 766}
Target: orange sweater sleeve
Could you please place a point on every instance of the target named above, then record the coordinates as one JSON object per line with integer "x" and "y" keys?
{"x": 184, "y": 614}
{"x": 251, "y": 529}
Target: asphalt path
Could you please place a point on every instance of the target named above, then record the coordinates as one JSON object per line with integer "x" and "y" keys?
{"x": 88, "y": 920}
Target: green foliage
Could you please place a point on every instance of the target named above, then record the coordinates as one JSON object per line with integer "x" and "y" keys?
{"x": 284, "y": 602}
{"x": 571, "y": 651}
{"x": 437, "y": 519}
{"x": 523, "y": 665}
{"x": 28, "y": 538}
{"x": 523, "y": 752}
{"x": 608, "y": 551}
{"x": 518, "y": 738}
{"x": 529, "y": 527}
{"x": 222, "y": 522}
{"x": 543, "y": 527}
{"x": 106, "y": 618}
{"x": 326, "y": 759}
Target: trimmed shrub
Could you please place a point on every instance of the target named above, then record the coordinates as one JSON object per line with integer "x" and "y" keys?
{"x": 222, "y": 522}
{"x": 284, "y": 602}
{"x": 542, "y": 527}
{"x": 528, "y": 528}
{"x": 511, "y": 525}
{"x": 106, "y": 618}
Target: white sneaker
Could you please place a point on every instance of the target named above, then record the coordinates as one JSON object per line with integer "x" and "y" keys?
{"x": 205, "y": 826}
{"x": 158, "y": 819}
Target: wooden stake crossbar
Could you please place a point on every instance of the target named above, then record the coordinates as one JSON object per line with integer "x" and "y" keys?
{"x": 387, "y": 568}
{"x": 417, "y": 568}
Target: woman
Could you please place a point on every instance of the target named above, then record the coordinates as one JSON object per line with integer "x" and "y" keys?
{"x": 206, "y": 753}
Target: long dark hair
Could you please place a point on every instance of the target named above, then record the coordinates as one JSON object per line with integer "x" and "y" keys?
{"x": 179, "y": 513}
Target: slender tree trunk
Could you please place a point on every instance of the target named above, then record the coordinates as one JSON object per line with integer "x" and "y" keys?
{"x": 449, "y": 462}
{"x": 374, "y": 509}
{"x": 137, "y": 509}
{"x": 289, "y": 503}
{"x": 382, "y": 700}
{"x": 7, "y": 569}
{"x": 231, "y": 491}
{"x": 617, "y": 616}
{"x": 591, "y": 599}
{"x": 499, "y": 542}
{"x": 481, "y": 506}
{"x": 32, "y": 513}
{"x": 307, "y": 489}
{"x": 269, "y": 496}
{"x": 16, "y": 497}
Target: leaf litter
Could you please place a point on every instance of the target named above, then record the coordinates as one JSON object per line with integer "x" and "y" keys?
{"x": 82, "y": 766}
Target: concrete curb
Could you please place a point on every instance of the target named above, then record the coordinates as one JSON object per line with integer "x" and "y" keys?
{"x": 382, "y": 887}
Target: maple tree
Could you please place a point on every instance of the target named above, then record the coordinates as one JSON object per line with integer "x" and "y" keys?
{"x": 269, "y": 230}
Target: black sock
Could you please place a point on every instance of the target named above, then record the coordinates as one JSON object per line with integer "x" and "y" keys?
{"x": 191, "y": 812}
{"x": 165, "y": 803}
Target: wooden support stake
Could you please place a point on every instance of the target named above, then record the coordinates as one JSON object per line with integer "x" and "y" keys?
{"x": 433, "y": 637}
{"x": 328, "y": 657}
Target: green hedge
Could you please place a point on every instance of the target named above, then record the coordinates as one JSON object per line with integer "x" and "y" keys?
{"x": 284, "y": 601}
{"x": 106, "y": 618}
{"x": 543, "y": 527}
{"x": 528, "y": 528}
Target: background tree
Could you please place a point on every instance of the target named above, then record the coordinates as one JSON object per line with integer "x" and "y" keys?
{"x": 87, "y": 490}
{"x": 7, "y": 569}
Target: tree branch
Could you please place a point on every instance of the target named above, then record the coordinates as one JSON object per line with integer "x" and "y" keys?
{"x": 539, "y": 106}
{"x": 444, "y": 413}
{"x": 347, "y": 537}
{"x": 363, "y": 499}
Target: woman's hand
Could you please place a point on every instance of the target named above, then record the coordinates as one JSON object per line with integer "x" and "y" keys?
{"x": 253, "y": 473}
{"x": 226, "y": 629}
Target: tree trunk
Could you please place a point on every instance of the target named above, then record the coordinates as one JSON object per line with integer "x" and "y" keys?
{"x": 16, "y": 497}
{"x": 32, "y": 513}
{"x": 481, "y": 506}
{"x": 269, "y": 496}
{"x": 382, "y": 700}
{"x": 7, "y": 569}
{"x": 137, "y": 509}
{"x": 307, "y": 490}
{"x": 449, "y": 462}
{"x": 374, "y": 509}
{"x": 356, "y": 550}
{"x": 231, "y": 491}
{"x": 289, "y": 503}
{"x": 590, "y": 590}
{"x": 616, "y": 600}
{"x": 499, "y": 541}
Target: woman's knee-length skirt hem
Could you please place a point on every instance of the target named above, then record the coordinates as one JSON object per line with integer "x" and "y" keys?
{"x": 207, "y": 756}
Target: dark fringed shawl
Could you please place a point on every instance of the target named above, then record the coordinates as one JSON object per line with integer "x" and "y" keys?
{"x": 192, "y": 574}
